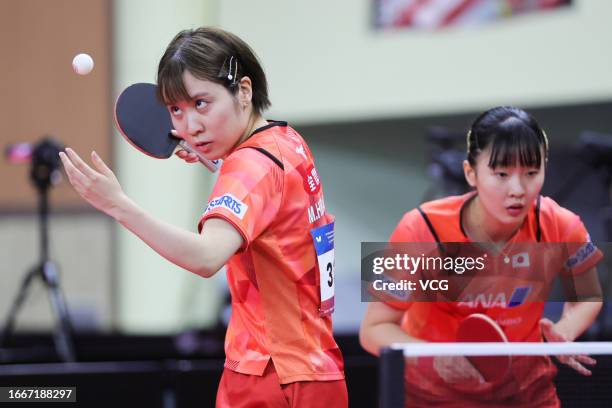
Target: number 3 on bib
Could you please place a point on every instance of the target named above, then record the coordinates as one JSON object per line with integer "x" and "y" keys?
{"x": 323, "y": 239}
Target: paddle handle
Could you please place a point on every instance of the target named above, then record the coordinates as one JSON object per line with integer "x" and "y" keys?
{"x": 212, "y": 165}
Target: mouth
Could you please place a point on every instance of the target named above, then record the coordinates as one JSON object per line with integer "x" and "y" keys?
{"x": 201, "y": 145}
{"x": 515, "y": 209}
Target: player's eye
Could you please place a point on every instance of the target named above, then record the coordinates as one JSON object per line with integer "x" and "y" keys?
{"x": 174, "y": 110}
{"x": 501, "y": 174}
{"x": 200, "y": 104}
{"x": 532, "y": 173}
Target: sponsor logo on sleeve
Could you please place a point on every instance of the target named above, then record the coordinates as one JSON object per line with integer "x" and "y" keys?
{"x": 310, "y": 177}
{"x": 229, "y": 202}
{"x": 581, "y": 256}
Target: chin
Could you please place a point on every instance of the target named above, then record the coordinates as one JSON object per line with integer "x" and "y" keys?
{"x": 510, "y": 220}
{"x": 213, "y": 155}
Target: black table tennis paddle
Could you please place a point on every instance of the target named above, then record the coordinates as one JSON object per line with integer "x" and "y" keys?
{"x": 145, "y": 123}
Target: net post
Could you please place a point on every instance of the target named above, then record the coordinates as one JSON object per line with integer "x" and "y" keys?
{"x": 391, "y": 378}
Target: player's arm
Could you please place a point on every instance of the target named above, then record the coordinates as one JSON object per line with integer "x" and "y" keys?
{"x": 578, "y": 315}
{"x": 380, "y": 328}
{"x": 202, "y": 254}
{"x": 575, "y": 319}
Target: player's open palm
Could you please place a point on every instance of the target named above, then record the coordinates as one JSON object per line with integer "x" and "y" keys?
{"x": 552, "y": 335}
{"x": 99, "y": 187}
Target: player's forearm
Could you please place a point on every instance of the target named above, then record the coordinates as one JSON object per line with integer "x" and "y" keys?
{"x": 376, "y": 337}
{"x": 576, "y": 318}
{"x": 186, "y": 249}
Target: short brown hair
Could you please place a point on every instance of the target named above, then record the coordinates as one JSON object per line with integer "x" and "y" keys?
{"x": 210, "y": 54}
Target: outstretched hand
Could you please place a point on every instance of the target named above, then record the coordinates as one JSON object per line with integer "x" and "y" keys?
{"x": 552, "y": 335}
{"x": 99, "y": 187}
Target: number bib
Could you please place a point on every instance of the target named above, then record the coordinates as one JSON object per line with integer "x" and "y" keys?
{"x": 323, "y": 238}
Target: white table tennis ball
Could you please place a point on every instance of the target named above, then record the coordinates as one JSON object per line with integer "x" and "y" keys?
{"x": 82, "y": 64}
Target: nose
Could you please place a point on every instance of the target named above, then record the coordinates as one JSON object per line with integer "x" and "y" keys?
{"x": 194, "y": 125}
{"x": 515, "y": 186}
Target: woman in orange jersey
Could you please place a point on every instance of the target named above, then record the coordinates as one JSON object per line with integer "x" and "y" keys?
{"x": 506, "y": 163}
{"x": 265, "y": 219}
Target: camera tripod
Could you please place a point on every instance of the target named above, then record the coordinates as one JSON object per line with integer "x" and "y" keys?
{"x": 45, "y": 168}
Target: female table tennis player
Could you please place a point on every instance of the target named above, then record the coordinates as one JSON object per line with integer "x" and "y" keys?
{"x": 506, "y": 163}
{"x": 266, "y": 219}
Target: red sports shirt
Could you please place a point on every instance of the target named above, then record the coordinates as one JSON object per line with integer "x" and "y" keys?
{"x": 269, "y": 190}
{"x": 530, "y": 381}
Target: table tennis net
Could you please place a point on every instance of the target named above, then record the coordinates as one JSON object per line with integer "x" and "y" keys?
{"x": 432, "y": 374}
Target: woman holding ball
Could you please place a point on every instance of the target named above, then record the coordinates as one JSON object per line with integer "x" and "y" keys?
{"x": 262, "y": 218}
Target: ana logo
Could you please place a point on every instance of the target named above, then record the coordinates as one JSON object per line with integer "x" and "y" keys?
{"x": 520, "y": 260}
{"x": 229, "y": 202}
{"x": 518, "y": 297}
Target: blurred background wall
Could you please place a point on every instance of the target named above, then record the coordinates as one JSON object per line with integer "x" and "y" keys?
{"x": 326, "y": 62}
{"x": 362, "y": 98}
{"x": 41, "y": 96}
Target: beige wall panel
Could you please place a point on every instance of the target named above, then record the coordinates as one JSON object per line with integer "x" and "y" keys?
{"x": 40, "y": 92}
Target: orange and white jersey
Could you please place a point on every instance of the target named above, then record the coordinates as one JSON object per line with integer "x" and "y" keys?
{"x": 518, "y": 308}
{"x": 510, "y": 297}
{"x": 281, "y": 281}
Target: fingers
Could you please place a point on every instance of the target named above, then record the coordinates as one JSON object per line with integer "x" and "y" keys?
{"x": 586, "y": 359}
{"x": 75, "y": 177}
{"x": 188, "y": 157}
{"x": 547, "y": 326}
{"x": 544, "y": 322}
{"x": 100, "y": 165}
{"x": 573, "y": 363}
{"x": 576, "y": 362}
{"x": 81, "y": 176}
{"x": 550, "y": 332}
{"x": 471, "y": 371}
{"x": 81, "y": 165}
